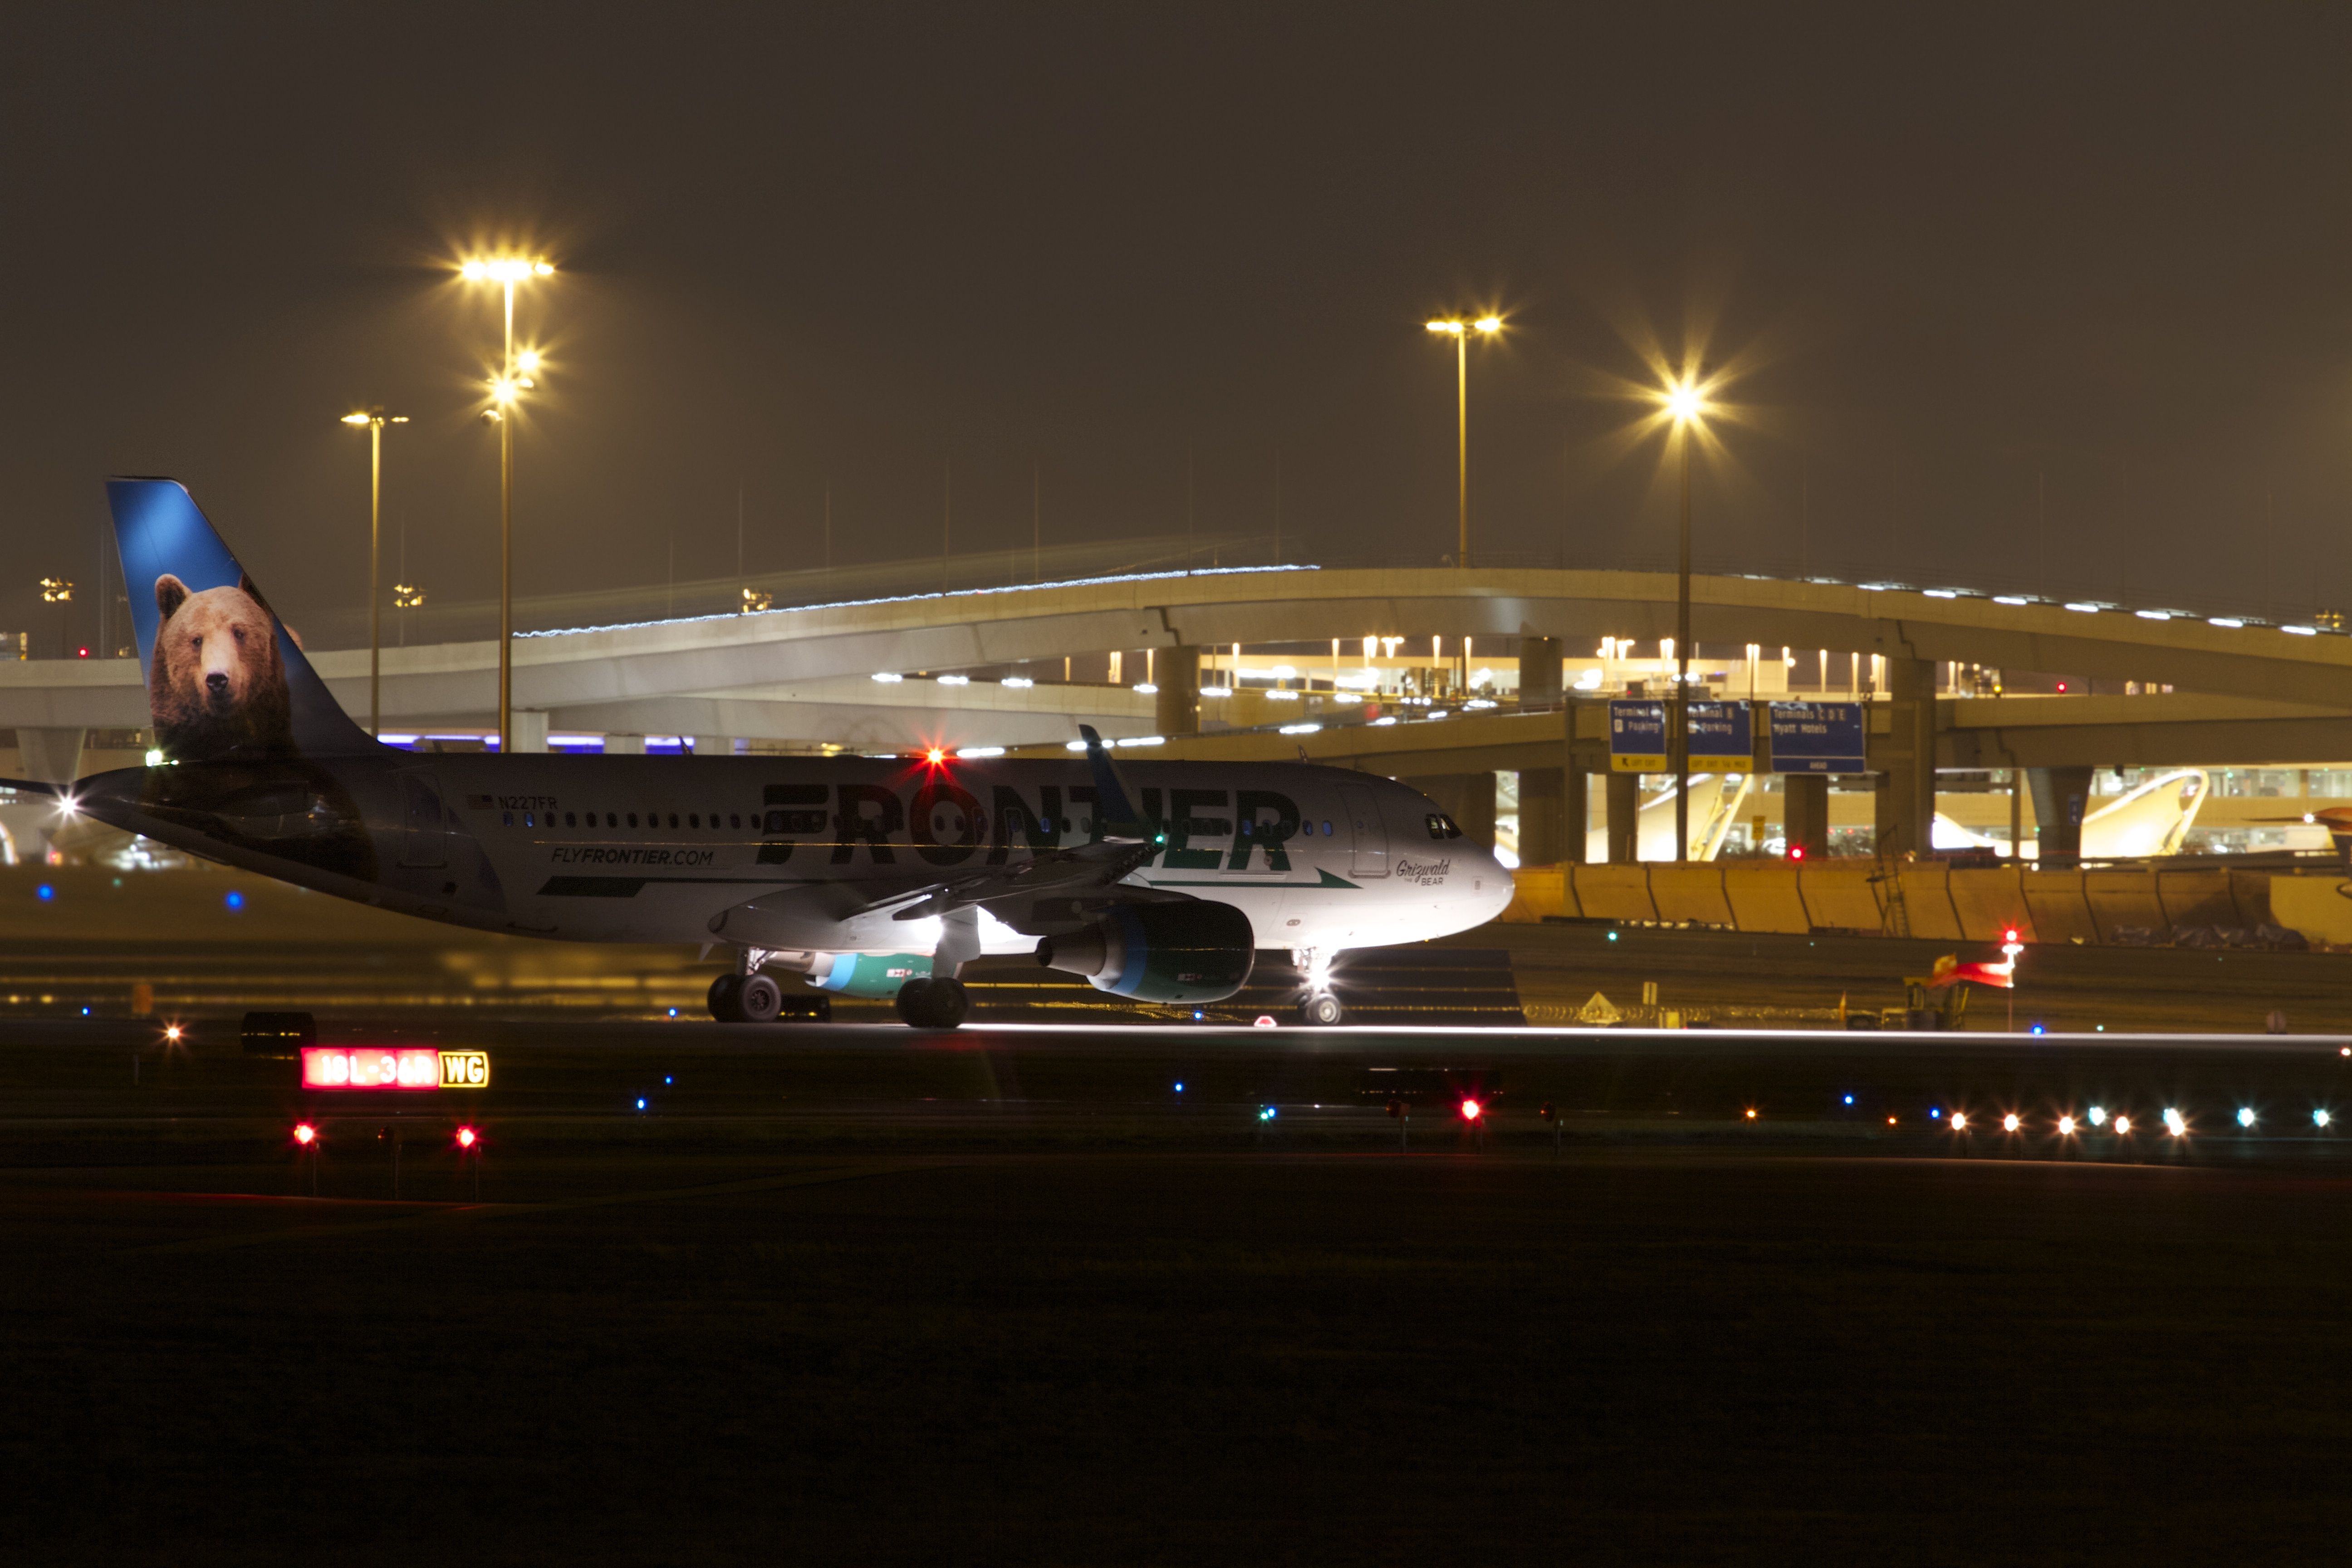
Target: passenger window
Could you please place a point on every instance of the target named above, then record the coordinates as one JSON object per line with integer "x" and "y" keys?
{"x": 633, "y": 819}
{"x": 1327, "y": 827}
{"x": 507, "y": 818}
{"x": 570, "y": 819}
{"x": 733, "y": 820}
{"x": 693, "y": 820}
{"x": 529, "y": 819}
{"x": 672, "y": 819}
{"x": 612, "y": 820}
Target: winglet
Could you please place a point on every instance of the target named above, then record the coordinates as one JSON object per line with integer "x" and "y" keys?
{"x": 1120, "y": 817}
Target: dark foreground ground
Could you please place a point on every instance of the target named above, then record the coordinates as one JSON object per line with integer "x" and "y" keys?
{"x": 858, "y": 1296}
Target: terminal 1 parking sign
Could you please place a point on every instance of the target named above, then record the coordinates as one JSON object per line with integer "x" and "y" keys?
{"x": 1816, "y": 738}
{"x": 1637, "y": 736}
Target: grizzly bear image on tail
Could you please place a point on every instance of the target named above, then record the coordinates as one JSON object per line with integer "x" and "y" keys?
{"x": 218, "y": 688}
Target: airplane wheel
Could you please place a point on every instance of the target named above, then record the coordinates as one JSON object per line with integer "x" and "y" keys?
{"x": 933, "y": 1003}
{"x": 1321, "y": 1010}
{"x": 758, "y": 999}
{"x": 723, "y": 991}
{"x": 950, "y": 1003}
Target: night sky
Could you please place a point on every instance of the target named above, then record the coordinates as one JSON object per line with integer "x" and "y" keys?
{"x": 1966, "y": 260}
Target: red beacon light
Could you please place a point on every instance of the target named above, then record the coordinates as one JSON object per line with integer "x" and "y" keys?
{"x": 1796, "y": 851}
{"x": 467, "y": 1137}
{"x": 305, "y": 1134}
{"x": 1472, "y": 1110}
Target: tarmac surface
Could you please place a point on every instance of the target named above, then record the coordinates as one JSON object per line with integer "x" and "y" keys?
{"x": 855, "y": 1293}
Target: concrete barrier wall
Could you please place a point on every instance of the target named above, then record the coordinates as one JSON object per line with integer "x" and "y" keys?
{"x": 1941, "y": 902}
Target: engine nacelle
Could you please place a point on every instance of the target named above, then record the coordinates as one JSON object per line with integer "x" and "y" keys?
{"x": 866, "y": 973}
{"x": 1190, "y": 951}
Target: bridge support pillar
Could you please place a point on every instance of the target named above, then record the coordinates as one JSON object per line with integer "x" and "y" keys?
{"x": 1545, "y": 820}
{"x": 2061, "y": 797}
{"x": 1467, "y": 798}
{"x": 625, "y": 746}
{"x": 50, "y": 756}
{"x": 1904, "y": 815}
{"x": 1805, "y": 813}
{"x": 529, "y": 731}
{"x": 1177, "y": 710}
{"x": 1624, "y": 808}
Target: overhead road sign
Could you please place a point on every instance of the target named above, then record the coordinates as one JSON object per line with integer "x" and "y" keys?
{"x": 1816, "y": 738}
{"x": 1637, "y": 736}
{"x": 1722, "y": 737}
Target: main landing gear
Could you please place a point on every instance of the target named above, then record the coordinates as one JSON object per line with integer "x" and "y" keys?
{"x": 748, "y": 996}
{"x": 1321, "y": 1010}
{"x": 933, "y": 1003}
{"x": 746, "y": 999}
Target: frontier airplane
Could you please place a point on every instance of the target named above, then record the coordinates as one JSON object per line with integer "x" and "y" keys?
{"x": 874, "y": 878}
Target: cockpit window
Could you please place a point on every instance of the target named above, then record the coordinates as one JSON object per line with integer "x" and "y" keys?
{"x": 1442, "y": 826}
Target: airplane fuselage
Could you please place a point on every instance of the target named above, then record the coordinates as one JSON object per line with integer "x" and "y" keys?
{"x": 793, "y": 852}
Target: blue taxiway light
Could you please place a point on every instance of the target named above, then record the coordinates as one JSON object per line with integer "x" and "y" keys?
{"x": 641, "y": 1105}
{"x": 1849, "y": 1099}
{"x": 45, "y": 892}
{"x": 1180, "y": 1089}
{"x": 233, "y": 899}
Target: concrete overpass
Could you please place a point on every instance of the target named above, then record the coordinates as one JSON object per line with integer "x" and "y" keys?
{"x": 2240, "y": 688}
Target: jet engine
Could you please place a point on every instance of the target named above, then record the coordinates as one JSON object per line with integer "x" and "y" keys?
{"x": 1189, "y": 952}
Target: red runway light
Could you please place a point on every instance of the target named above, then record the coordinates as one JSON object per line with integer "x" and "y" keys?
{"x": 1796, "y": 851}
{"x": 1471, "y": 1110}
{"x": 305, "y": 1134}
{"x": 465, "y": 1137}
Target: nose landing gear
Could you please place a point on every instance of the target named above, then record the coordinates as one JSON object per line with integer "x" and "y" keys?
{"x": 1320, "y": 1007}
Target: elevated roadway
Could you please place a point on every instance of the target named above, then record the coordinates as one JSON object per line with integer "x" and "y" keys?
{"x": 806, "y": 673}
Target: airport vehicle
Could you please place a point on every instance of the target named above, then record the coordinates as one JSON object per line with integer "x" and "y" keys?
{"x": 873, "y": 877}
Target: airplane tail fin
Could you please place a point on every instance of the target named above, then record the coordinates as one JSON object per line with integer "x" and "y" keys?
{"x": 226, "y": 679}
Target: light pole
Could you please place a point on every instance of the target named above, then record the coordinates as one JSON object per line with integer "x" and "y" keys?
{"x": 1460, "y": 332}
{"x": 1686, "y": 405}
{"x": 59, "y": 592}
{"x": 375, "y": 419}
{"x": 513, "y": 379}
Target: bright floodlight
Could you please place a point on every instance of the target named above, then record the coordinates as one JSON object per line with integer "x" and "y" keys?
{"x": 2065, "y": 1126}
{"x": 2009, "y": 1123}
{"x": 527, "y": 361}
{"x": 1489, "y": 323}
{"x": 1960, "y": 1122}
{"x": 2319, "y": 1119}
{"x": 1686, "y": 403}
{"x": 2245, "y": 1115}
{"x": 2098, "y": 1116}
{"x": 1453, "y": 327}
{"x": 2123, "y": 1123}
{"x": 355, "y": 418}
{"x": 2173, "y": 1122}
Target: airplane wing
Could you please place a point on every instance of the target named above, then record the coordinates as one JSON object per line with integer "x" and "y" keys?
{"x": 1055, "y": 887}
